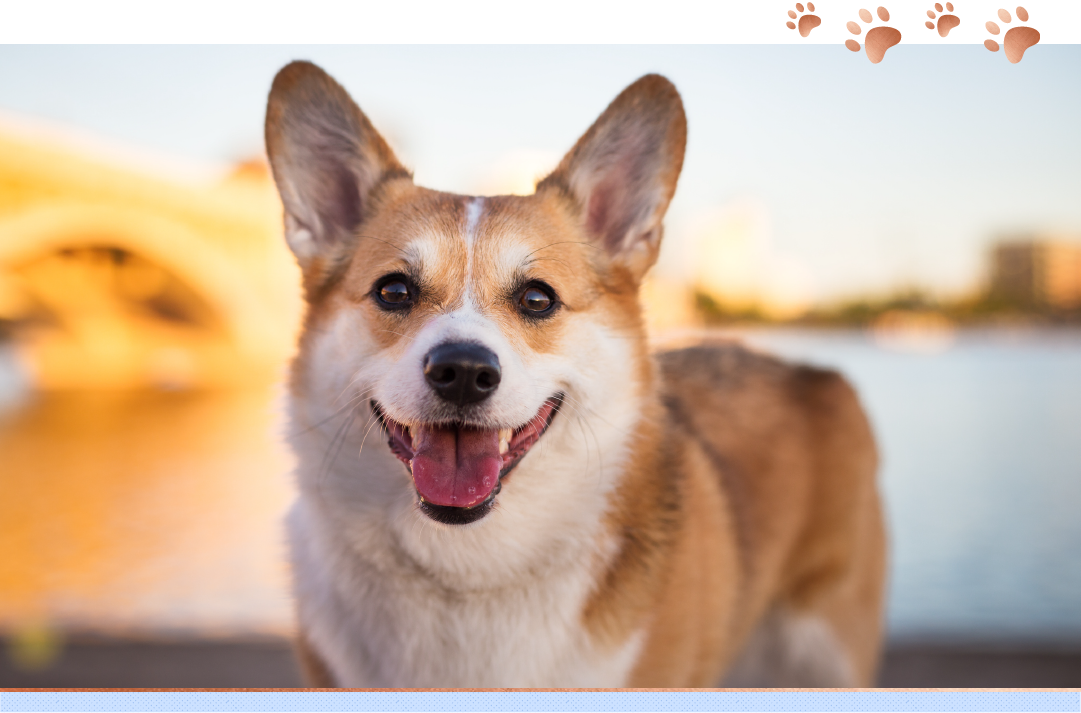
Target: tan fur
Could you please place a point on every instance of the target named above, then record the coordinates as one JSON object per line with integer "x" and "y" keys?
{"x": 315, "y": 671}
{"x": 739, "y": 530}
{"x": 786, "y": 461}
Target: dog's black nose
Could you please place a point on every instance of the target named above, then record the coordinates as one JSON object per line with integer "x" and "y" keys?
{"x": 462, "y": 372}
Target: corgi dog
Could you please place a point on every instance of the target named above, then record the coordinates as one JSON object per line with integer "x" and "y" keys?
{"x": 500, "y": 484}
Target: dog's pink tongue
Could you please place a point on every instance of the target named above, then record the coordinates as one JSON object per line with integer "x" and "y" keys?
{"x": 455, "y": 466}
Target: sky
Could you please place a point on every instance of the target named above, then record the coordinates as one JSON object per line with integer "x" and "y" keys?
{"x": 811, "y": 174}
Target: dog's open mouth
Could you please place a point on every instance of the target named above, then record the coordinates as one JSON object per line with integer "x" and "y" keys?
{"x": 457, "y": 468}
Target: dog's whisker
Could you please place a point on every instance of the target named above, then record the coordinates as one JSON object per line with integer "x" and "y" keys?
{"x": 583, "y": 424}
{"x": 591, "y": 412}
{"x": 391, "y": 331}
{"x": 323, "y": 473}
{"x": 373, "y": 422}
{"x": 385, "y": 242}
{"x": 547, "y": 259}
{"x": 336, "y": 443}
{"x": 581, "y": 412}
{"x": 351, "y": 403}
{"x": 347, "y": 387}
{"x": 562, "y": 242}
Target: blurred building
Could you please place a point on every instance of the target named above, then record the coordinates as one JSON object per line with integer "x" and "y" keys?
{"x": 113, "y": 275}
{"x": 1037, "y": 271}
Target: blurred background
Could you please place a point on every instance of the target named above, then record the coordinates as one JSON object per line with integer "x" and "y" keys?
{"x": 916, "y": 224}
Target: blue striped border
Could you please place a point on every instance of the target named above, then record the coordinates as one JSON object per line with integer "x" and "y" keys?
{"x": 541, "y": 701}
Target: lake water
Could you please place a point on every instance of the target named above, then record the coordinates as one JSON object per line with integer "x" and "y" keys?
{"x": 144, "y": 513}
{"x": 161, "y": 512}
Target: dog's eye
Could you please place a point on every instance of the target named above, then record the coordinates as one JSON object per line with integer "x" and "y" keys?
{"x": 536, "y": 300}
{"x": 394, "y": 292}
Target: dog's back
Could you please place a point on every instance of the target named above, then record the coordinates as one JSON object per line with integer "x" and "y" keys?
{"x": 785, "y": 459}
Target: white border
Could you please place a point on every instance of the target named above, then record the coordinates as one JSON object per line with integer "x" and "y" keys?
{"x": 492, "y": 21}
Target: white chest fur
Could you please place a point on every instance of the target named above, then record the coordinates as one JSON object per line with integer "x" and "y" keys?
{"x": 385, "y": 622}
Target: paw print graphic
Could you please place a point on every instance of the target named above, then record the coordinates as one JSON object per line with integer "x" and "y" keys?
{"x": 1017, "y": 39}
{"x": 878, "y": 40}
{"x": 806, "y": 23}
{"x": 945, "y": 22}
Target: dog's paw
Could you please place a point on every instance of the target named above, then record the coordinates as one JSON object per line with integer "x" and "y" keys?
{"x": 945, "y": 22}
{"x": 806, "y": 22}
{"x": 1017, "y": 39}
{"x": 878, "y": 40}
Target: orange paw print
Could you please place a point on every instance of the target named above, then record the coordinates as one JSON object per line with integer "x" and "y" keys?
{"x": 945, "y": 22}
{"x": 878, "y": 40}
{"x": 806, "y": 23}
{"x": 1017, "y": 39}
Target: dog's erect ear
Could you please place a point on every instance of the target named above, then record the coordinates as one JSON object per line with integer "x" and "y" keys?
{"x": 326, "y": 158}
{"x": 623, "y": 171}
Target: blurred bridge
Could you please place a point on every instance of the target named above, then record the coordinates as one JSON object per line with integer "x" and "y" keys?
{"x": 115, "y": 277}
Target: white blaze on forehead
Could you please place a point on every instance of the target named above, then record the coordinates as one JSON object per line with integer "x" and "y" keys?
{"x": 473, "y": 211}
{"x": 513, "y": 253}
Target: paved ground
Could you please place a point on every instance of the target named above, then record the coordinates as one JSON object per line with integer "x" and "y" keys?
{"x": 229, "y": 664}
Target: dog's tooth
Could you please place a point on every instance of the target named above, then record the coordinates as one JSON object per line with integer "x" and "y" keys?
{"x": 504, "y": 440}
